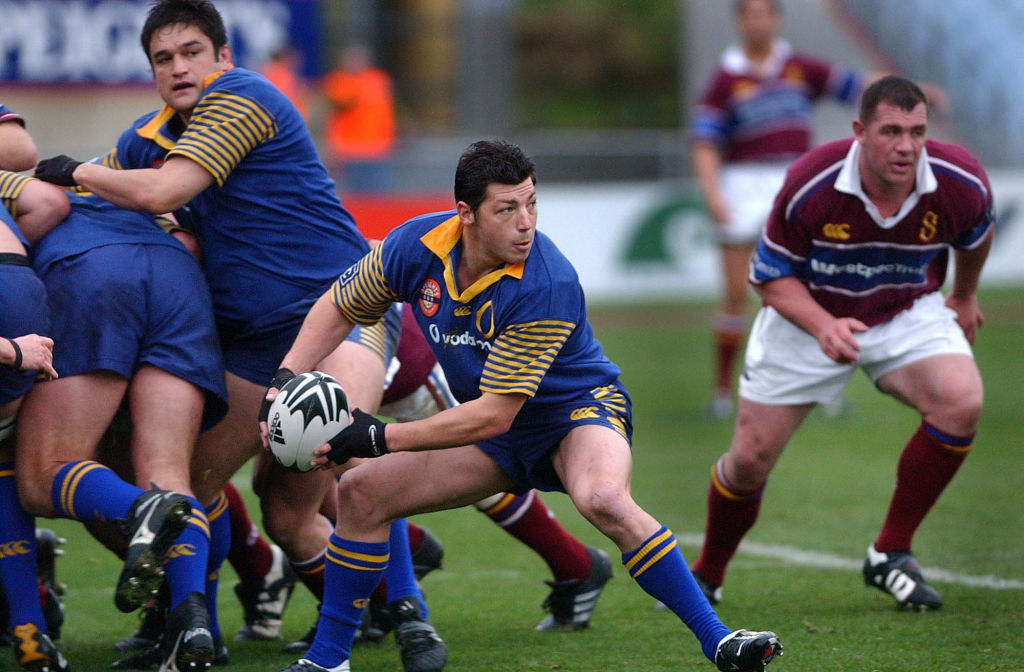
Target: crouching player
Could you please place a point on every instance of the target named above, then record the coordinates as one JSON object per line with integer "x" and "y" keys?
{"x": 541, "y": 405}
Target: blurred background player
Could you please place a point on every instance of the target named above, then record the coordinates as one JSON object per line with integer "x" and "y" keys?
{"x": 360, "y": 123}
{"x": 850, "y": 268}
{"x": 236, "y": 152}
{"x": 753, "y": 118}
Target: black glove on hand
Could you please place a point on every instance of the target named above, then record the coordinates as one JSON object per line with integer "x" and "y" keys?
{"x": 59, "y": 170}
{"x": 280, "y": 378}
{"x": 363, "y": 438}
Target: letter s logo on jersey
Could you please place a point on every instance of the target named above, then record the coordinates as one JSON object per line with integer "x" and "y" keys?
{"x": 929, "y": 225}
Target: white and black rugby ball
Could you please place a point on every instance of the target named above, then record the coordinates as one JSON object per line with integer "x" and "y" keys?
{"x": 310, "y": 409}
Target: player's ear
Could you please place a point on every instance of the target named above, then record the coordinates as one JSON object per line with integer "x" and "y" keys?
{"x": 224, "y": 56}
{"x": 466, "y": 215}
{"x": 858, "y": 130}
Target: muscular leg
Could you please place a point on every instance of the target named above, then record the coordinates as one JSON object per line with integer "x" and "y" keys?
{"x": 222, "y": 450}
{"x": 595, "y": 464}
{"x": 947, "y": 391}
{"x": 21, "y": 606}
{"x": 370, "y": 497}
{"x": 738, "y": 479}
{"x": 61, "y": 421}
{"x": 166, "y": 411}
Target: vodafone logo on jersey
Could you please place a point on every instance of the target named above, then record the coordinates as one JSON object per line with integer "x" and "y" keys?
{"x": 430, "y": 297}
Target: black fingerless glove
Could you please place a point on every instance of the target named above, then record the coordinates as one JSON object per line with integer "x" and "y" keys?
{"x": 280, "y": 378}
{"x": 363, "y": 438}
{"x": 59, "y": 170}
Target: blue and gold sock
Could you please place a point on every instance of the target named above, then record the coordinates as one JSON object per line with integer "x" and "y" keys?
{"x": 89, "y": 491}
{"x": 189, "y": 557}
{"x": 18, "y": 559}
{"x": 659, "y": 568}
{"x": 400, "y": 578}
{"x": 353, "y": 570}
{"x": 220, "y": 543}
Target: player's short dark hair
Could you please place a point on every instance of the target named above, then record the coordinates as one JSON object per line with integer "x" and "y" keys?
{"x": 488, "y": 162}
{"x": 199, "y": 13}
{"x": 896, "y": 91}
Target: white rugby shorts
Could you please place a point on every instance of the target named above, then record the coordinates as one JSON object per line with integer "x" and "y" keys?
{"x": 750, "y": 190}
{"x": 785, "y": 364}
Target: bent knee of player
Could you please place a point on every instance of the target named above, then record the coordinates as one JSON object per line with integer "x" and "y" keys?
{"x": 956, "y": 409}
{"x": 751, "y": 458}
{"x": 282, "y": 523}
{"x": 34, "y": 485}
{"x": 605, "y": 504}
{"x": 360, "y": 499}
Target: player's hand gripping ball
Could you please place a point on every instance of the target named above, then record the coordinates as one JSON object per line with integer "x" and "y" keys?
{"x": 309, "y": 409}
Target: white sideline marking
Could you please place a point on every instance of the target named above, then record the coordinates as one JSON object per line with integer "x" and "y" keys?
{"x": 797, "y": 556}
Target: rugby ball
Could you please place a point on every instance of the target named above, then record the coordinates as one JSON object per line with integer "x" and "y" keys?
{"x": 308, "y": 411}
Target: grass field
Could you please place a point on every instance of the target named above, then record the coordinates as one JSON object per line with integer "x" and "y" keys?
{"x": 827, "y": 497}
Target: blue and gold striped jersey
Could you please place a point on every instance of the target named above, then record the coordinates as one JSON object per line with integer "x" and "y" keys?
{"x": 272, "y": 227}
{"x": 521, "y": 329}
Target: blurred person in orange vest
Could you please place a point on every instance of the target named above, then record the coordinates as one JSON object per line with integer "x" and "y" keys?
{"x": 360, "y": 132}
{"x": 284, "y": 71}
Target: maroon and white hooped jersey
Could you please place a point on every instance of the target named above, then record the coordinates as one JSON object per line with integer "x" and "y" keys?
{"x": 765, "y": 114}
{"x": 824, "y": 231}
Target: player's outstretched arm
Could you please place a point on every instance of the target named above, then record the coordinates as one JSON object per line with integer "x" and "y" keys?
{"x": 482, "y": 418}
{"x": 153, "y": 190}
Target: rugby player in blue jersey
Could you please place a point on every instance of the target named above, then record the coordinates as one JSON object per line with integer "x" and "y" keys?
{"x": 120, "y": 335}
{"x": 26, "y": 350}
{"x": 541, "y": 405}
{"x": 231, "y": 155}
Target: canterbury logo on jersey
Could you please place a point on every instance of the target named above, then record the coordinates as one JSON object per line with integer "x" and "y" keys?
{"x": 462, "y": 311}
{"x": 836, "y": 231}
{"x": 360, "y": 604}
{"x": 585, "y": 412}
{"x": 181, "y": 551}
{"x": 13, "y": 548}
